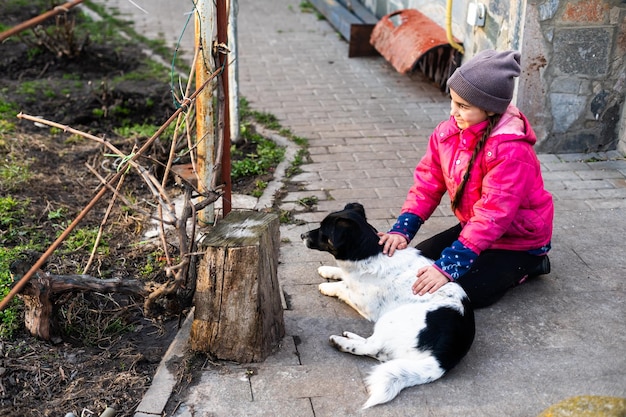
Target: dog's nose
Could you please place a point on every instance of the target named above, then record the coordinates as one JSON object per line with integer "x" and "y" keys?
{"x": 303, "y": 236}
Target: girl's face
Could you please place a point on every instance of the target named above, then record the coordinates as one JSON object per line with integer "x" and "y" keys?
{"x": 464, "y": 113}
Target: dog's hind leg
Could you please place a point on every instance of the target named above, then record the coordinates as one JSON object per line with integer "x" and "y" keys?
{"x": 355, "y": 344}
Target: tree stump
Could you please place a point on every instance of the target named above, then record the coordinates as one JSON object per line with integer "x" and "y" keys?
{"x": 238, "y": 309}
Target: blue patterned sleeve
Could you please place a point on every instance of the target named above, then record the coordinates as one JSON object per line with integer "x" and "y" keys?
{"x": 407, "y": 225}
{"x": 456, "y": 260}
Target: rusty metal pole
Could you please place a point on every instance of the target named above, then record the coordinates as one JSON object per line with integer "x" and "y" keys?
{"x": 223, "y": 7}
{"x": 205, "y": 126}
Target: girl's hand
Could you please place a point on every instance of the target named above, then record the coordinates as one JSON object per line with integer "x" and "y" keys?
{"x": 391, "y": 242}
{"x": 429, "y": 279}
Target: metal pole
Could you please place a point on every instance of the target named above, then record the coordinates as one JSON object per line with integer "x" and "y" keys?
{"x": 223, "y": 59}
{"x": 233, "y": 74}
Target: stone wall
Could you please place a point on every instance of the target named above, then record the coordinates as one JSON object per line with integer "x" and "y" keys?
{"x": 575, "y": 71}
{"x": 573, "y": 58}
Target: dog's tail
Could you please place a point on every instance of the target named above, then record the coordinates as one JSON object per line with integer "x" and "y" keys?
{"x": 389, "y": 378}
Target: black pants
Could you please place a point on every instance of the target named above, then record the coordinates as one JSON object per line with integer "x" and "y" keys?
{"x": 493, "y": 272}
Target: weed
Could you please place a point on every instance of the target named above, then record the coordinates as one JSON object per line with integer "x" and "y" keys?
{"x": 32, "y": 52}
{"x": 268, "y": 155}
{"x": 98, "y": 112}
{"x": 266, "y": 119}
{"x": 6, "y": 127}
{"x": 308, "y": 202}
{"x": 307, "y": 7}
{"x": 155, "y": 263}
{"x": 145, "y": 130}
{"x": 299, "y": 159}
{"x": 74, "y": 139}
{"x": 28, "y": 88}
{"x": 7, "y": 110}
{"x": 10, "y": 317}
{"x": 259, "y": 187}
{"x": 285, "y": 216}
{"x": 70, "y": 76}
{"x": 56, "y": 214}
{"x": 11, "y": 211}
{"x": 13, "y": 174}
{"x": 83, "y": 239}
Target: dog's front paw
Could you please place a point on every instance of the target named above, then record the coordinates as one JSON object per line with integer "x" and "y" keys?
{"x": 329, "y": 272}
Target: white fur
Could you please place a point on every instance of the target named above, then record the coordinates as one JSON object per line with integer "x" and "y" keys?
{"x": 379, "y": 288}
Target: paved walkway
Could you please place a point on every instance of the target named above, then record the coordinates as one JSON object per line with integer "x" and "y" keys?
{"x": 555, "y": 337}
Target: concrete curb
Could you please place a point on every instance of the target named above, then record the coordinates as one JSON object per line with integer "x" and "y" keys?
{"x": 155, "y": 399}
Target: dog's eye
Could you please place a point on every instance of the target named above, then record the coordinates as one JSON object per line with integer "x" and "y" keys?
{"x": 326, "y": 239}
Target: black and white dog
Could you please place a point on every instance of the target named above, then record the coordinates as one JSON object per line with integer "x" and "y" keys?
{"x": 418, "y": 338}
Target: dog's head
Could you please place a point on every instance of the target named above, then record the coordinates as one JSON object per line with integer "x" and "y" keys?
{"x": 345, "y": 234}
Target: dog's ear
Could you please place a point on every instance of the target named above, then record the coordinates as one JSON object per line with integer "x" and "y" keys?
{"x": 341, "y": 232}
{"x": 357, "y": 207}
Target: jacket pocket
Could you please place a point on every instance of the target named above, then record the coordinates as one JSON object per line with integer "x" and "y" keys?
{"x": 526, "y": 223}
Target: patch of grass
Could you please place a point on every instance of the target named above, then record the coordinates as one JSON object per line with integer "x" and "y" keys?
{"x": 308, "y": 202}
{"x": 266, "y": 119}
{"x": 7, "y": 110}
{"x": 74, "y": 139}
{"x": 268, "y": 155}
{"x": 307, "y": 7}
{"x": 11, "y": 316}
{"x": 13, "y": 174}
{"x": 11, "y": 211}
{"x": 260, "y": 186}
{"x": 6, "y": 127}
{"x": 13, "y": 215}
{"x": 84, "y": 238}
{"x": 112, "y": 25}
{"x": 57, "y": 214}
{"x": 145, "y": 130}
{"x": 28, "y": 87}
{"x": 98, "y": 112}
{"x": 299, "y": 159}
{"x": 155, "y": 263}
{"x": 285, "y": 216}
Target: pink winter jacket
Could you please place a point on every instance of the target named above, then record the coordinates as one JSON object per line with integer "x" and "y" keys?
{"x": 504, "y": 204}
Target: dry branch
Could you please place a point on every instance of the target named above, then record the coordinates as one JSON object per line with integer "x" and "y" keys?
{"x": 41, "y": 292}
{"x": 185, "y": 105}
{"x": 38, "y": 19}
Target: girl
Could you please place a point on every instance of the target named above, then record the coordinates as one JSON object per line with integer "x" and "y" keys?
{"x": 483, "y": 157}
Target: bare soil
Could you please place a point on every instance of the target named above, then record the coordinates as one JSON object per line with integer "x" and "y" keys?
{"x": 109, "y": 350}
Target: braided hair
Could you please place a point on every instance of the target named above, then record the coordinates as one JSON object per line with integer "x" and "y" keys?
{"x": 493, "y": 121}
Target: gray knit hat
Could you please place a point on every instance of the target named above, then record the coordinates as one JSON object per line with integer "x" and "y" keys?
{"x": 487, "y": 80}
